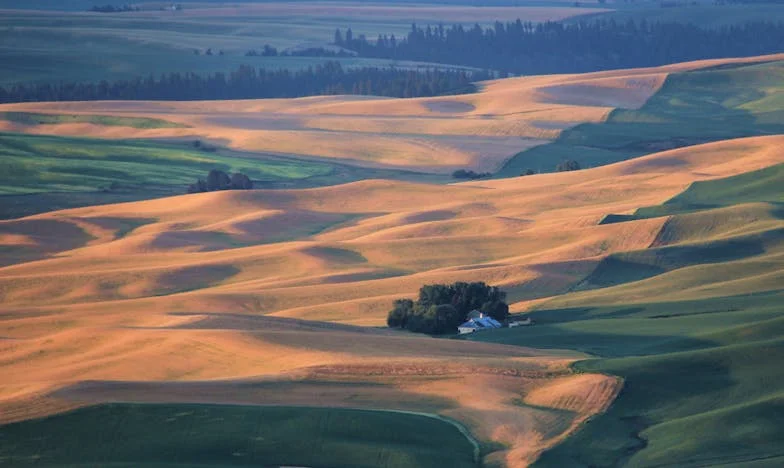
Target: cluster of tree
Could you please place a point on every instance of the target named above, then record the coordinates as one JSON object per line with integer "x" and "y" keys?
{"x": 527, "y": 48}
{"x": 208, "y": 52}
{"x": 441, "y": 308}
{"x": 219, "y": 180}
{"x": 468, "y": 174}
{"x": 114, "y": 9}
{"x": 568, "y": 165}
{"x": 251, "y": 83}
{"x": 269, "y": 51}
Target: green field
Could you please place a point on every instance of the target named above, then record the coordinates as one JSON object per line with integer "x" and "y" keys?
{"x": 129, "y": 435}
{"x": 35, "y": 164}
{"x": 691, "y": 108}
{"x": 694, "y": 325}
{"x": 45, "y": 173}
{"x": 31, "y": 118}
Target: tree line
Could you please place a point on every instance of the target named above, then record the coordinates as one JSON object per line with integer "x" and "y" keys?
{"x": 551, "y": 47}
{"x": 269, "y": 51}
{"x": 441, "y": 308}
{"x": 247, "y": 82}
{"x": 109, "y": 8}
{"x": 114, "y": 9}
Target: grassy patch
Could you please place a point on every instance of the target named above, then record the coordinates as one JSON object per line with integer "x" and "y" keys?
{"x": 212, "y": 435}
{"x": 691, "y": 108}
{"x": 31, "y": 118}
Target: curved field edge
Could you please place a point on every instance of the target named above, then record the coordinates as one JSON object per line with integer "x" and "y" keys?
{"x": 697, "y": 338}
{"x": 700, "y": 388}
{"x": 692, "y": 107}
{"x": 40, "y": 173}
{"x": 227, "y": 435}
{"x": 623, "y": 330}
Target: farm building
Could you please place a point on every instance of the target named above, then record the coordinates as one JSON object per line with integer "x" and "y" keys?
{"x": 521, "y": 323}
{"x": 478, "y": 321}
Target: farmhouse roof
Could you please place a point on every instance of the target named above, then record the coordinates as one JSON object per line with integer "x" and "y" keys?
{"x": 479, "y": 323}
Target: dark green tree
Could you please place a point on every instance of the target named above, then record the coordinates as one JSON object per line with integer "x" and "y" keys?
{"x": 218, "y": 180}
{"x": 240, "y": 181}
{"x": 445, "y": 318}
{"x": 435, "y": 294}
{"x": 401, "y": 311}
{"x": 497, "y": 309}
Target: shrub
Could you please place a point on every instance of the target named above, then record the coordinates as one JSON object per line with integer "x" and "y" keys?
{"x": 219, "y": 180}
{"x": 568, "y": 165}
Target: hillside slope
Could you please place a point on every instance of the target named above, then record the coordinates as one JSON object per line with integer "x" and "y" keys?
{"x": 693, "y": 324}
{"x": 693, "y": 106}
{"x": 434, "y": 135}
{"x": 655, "y": 282}
{"x": 153, "y": 300}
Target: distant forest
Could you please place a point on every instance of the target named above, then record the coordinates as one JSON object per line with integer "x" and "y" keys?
{"x": 528, "y": 48}
{"x": 250, "y": 83}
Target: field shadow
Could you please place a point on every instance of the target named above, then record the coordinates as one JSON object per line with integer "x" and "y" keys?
{"x": 177, "y": 434}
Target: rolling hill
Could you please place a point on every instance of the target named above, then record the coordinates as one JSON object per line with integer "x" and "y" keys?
{"x": 692, "y": 106}
{"x": 692, "y": 324}
{"x": 654, "y": 281}
{"x": 142, "y": 291}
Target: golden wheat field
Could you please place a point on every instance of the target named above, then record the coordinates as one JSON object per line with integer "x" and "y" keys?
{"x": 211, "y": 291}
{"x": 437, "y": 135}
{"x": 281, "y": 296}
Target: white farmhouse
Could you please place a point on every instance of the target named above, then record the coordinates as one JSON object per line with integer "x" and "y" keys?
{"x": 478, "y": 321}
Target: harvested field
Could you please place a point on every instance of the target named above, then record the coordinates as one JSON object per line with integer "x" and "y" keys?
{"x": 433, "y": 135}
{"x": 270, "y": 297}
